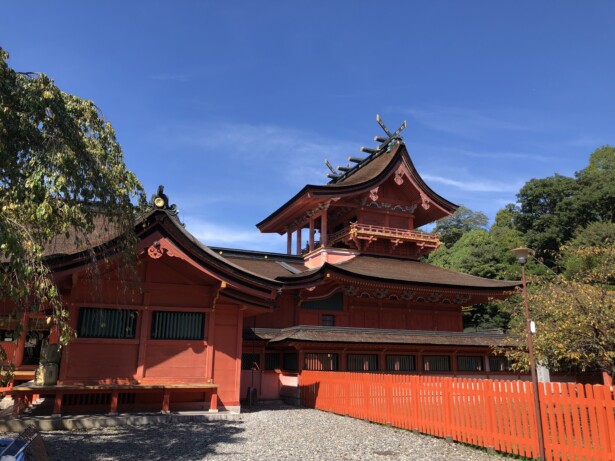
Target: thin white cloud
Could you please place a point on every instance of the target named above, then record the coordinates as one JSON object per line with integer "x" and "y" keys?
{"x": 213, "y": 234}
{"x": 474, "y": 185}
{"x": 294, "y": 156}
{"x": 465, "y": 122}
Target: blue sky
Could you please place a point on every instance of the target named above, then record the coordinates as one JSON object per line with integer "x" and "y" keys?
{"x": 234, "y": 106}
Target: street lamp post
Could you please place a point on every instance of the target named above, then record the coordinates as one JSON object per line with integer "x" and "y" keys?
{"x": 522, "y": 255}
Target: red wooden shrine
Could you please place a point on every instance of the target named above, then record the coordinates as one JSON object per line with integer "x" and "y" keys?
{"x": 351, "y": 294}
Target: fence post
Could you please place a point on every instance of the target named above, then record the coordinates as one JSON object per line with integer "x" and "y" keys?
{"x": 447, "y": 401}
{"x": 489, "y": 409}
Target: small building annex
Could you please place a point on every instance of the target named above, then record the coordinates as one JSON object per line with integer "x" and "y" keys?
{"x": 350, "y": 294}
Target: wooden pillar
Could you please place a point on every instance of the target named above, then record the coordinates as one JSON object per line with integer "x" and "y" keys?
{"x": 323, "y": 229}
{"x": 299, "y": 240}
{"x": 213, "y": 406}
{"x": 382, "y": 361}
{"x": 21, "y": 341}
{"x": 289, "y": 241}
{"x": 114, "y": 396}
{"x": 146, "y": 319}
{"x": 210, "y": 320}
{"x": 57, "y": 406}
{"x": 311, "y": 233}
{"x": 166, "y": 400}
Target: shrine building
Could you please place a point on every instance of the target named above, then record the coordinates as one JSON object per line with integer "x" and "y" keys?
{"x": 203, "y": 327}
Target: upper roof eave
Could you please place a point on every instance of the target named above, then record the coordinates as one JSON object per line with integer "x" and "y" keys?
{"x": 398, "y": 153}
{"x": 309, "y": 277}
{"x": 169, "y": 226}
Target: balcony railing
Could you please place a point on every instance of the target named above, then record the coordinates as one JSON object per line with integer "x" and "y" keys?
{"x": 357, "y": 230}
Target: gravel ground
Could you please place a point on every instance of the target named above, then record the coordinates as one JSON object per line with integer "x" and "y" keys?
{"x": 270, "y": 433}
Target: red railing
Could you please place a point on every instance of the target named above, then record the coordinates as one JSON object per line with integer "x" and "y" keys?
{"x": 578, "y": 420}
{"x": 357, "y": 229}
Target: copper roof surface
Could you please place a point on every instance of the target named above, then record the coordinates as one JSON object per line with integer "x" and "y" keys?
{"x": 390, "y": 269}
{"x": 372, "y": 171}
{"x": 310, "y": 333}
{"x": 270, "y": 265}
{"x": 368, "y": 169}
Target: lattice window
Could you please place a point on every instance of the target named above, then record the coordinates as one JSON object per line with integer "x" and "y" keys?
{"x": 469, "y": 363}
{"x": 272, "y": 361}
{"x": 250, "y": 361}
{"x": 436, "y": 363}
{"x": 321, "y": 362}
{"x": 328, "y": 320}
{"x": 107, "y": 323}
{"x": 401, "y": 363}
{"x": 290, "y": 361}
{"x": 499, "y": 364}
{"x": 178, "y": 325}
{"x": 362, "y": 362}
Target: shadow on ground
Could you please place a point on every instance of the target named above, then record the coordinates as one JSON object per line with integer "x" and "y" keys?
{"x": 182, "y": 442}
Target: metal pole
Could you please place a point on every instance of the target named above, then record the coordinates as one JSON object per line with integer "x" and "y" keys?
{"x": 530, "y": 347}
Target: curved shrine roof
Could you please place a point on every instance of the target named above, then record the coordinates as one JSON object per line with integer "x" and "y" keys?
{"x": 396, "y": 270}
{"x": 371, "y": 172}
{"x": 309, "y": 333}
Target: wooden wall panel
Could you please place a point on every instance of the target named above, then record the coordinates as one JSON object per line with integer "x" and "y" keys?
{"x": 176, "y": 360}
{"x": 100, "y": 361}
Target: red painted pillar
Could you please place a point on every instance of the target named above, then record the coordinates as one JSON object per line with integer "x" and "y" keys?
{"x": 323, "y": 230}
{"x": 299, "y": 240}
{"x": 311, "y": 233}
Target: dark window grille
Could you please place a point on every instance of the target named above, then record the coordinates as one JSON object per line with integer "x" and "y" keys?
{"x": 362, "y": 362}
{"x": 290, "y": 361}
{"x": 436, "y": 363}
{"x": 333, "y": 303}
{"x": 469, "y": 363}
{"x": 178, "y": 325}
{"x": 107, "y": 323}
{"x": 321, "y": 362}
{"x": 272, "y": 361}
{"x": 499, "y": 364}
{"x": 250, "y": 361}
{"x": 401, "y": 363}
{"x": 328, "y": 320}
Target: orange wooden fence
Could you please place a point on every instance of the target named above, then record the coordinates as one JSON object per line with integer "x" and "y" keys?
{"x": 578, "y": 420}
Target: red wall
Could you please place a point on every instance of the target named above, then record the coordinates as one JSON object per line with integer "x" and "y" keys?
{"x": 168, "y": 284}
{"x": 366, "y": 313}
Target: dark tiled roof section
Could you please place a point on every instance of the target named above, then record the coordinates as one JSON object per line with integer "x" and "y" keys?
{"x": 104, "y": 231}
{"x": 405, "y": 270}
{"x": 368, "y": 170}
{"x": 378, "y": 336}
{"x": 270, "y": 265}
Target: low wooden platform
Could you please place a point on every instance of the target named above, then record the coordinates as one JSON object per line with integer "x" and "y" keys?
{"x": 25, "y": 394}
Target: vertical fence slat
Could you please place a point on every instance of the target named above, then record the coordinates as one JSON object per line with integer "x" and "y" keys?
{"x": 578, "y": 421}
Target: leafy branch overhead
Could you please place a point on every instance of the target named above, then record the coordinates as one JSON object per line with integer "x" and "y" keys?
{"x": 62, "y": 173}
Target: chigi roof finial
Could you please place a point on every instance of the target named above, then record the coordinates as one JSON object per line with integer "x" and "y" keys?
{"x": 385, "y": 145}
{"x": 161, "y": 201}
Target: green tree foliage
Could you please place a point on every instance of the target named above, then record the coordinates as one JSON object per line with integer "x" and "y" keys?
{"x": 61, "y": 168}
{"x": 574, "y": 315}
{"x": 595, "y": 200}
{"x": 599, "y": 234}
{"x": 484, "y": 254}
{"x": 546, "y": 214}
{"x": 551, "y": 209}
{"x": 463, "y": 220}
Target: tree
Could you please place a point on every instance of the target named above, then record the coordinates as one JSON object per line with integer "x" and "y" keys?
{"x": 61, "y": 168}
{"x": 463, "y": 220}
{"x": 596, "y": 194}
{"x": 599, "y": 234}
{"x": 546, "y": 214}
{"x": 574, "y": 315}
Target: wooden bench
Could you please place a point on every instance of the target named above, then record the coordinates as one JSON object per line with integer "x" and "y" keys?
{"x": 24, "y": 393}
